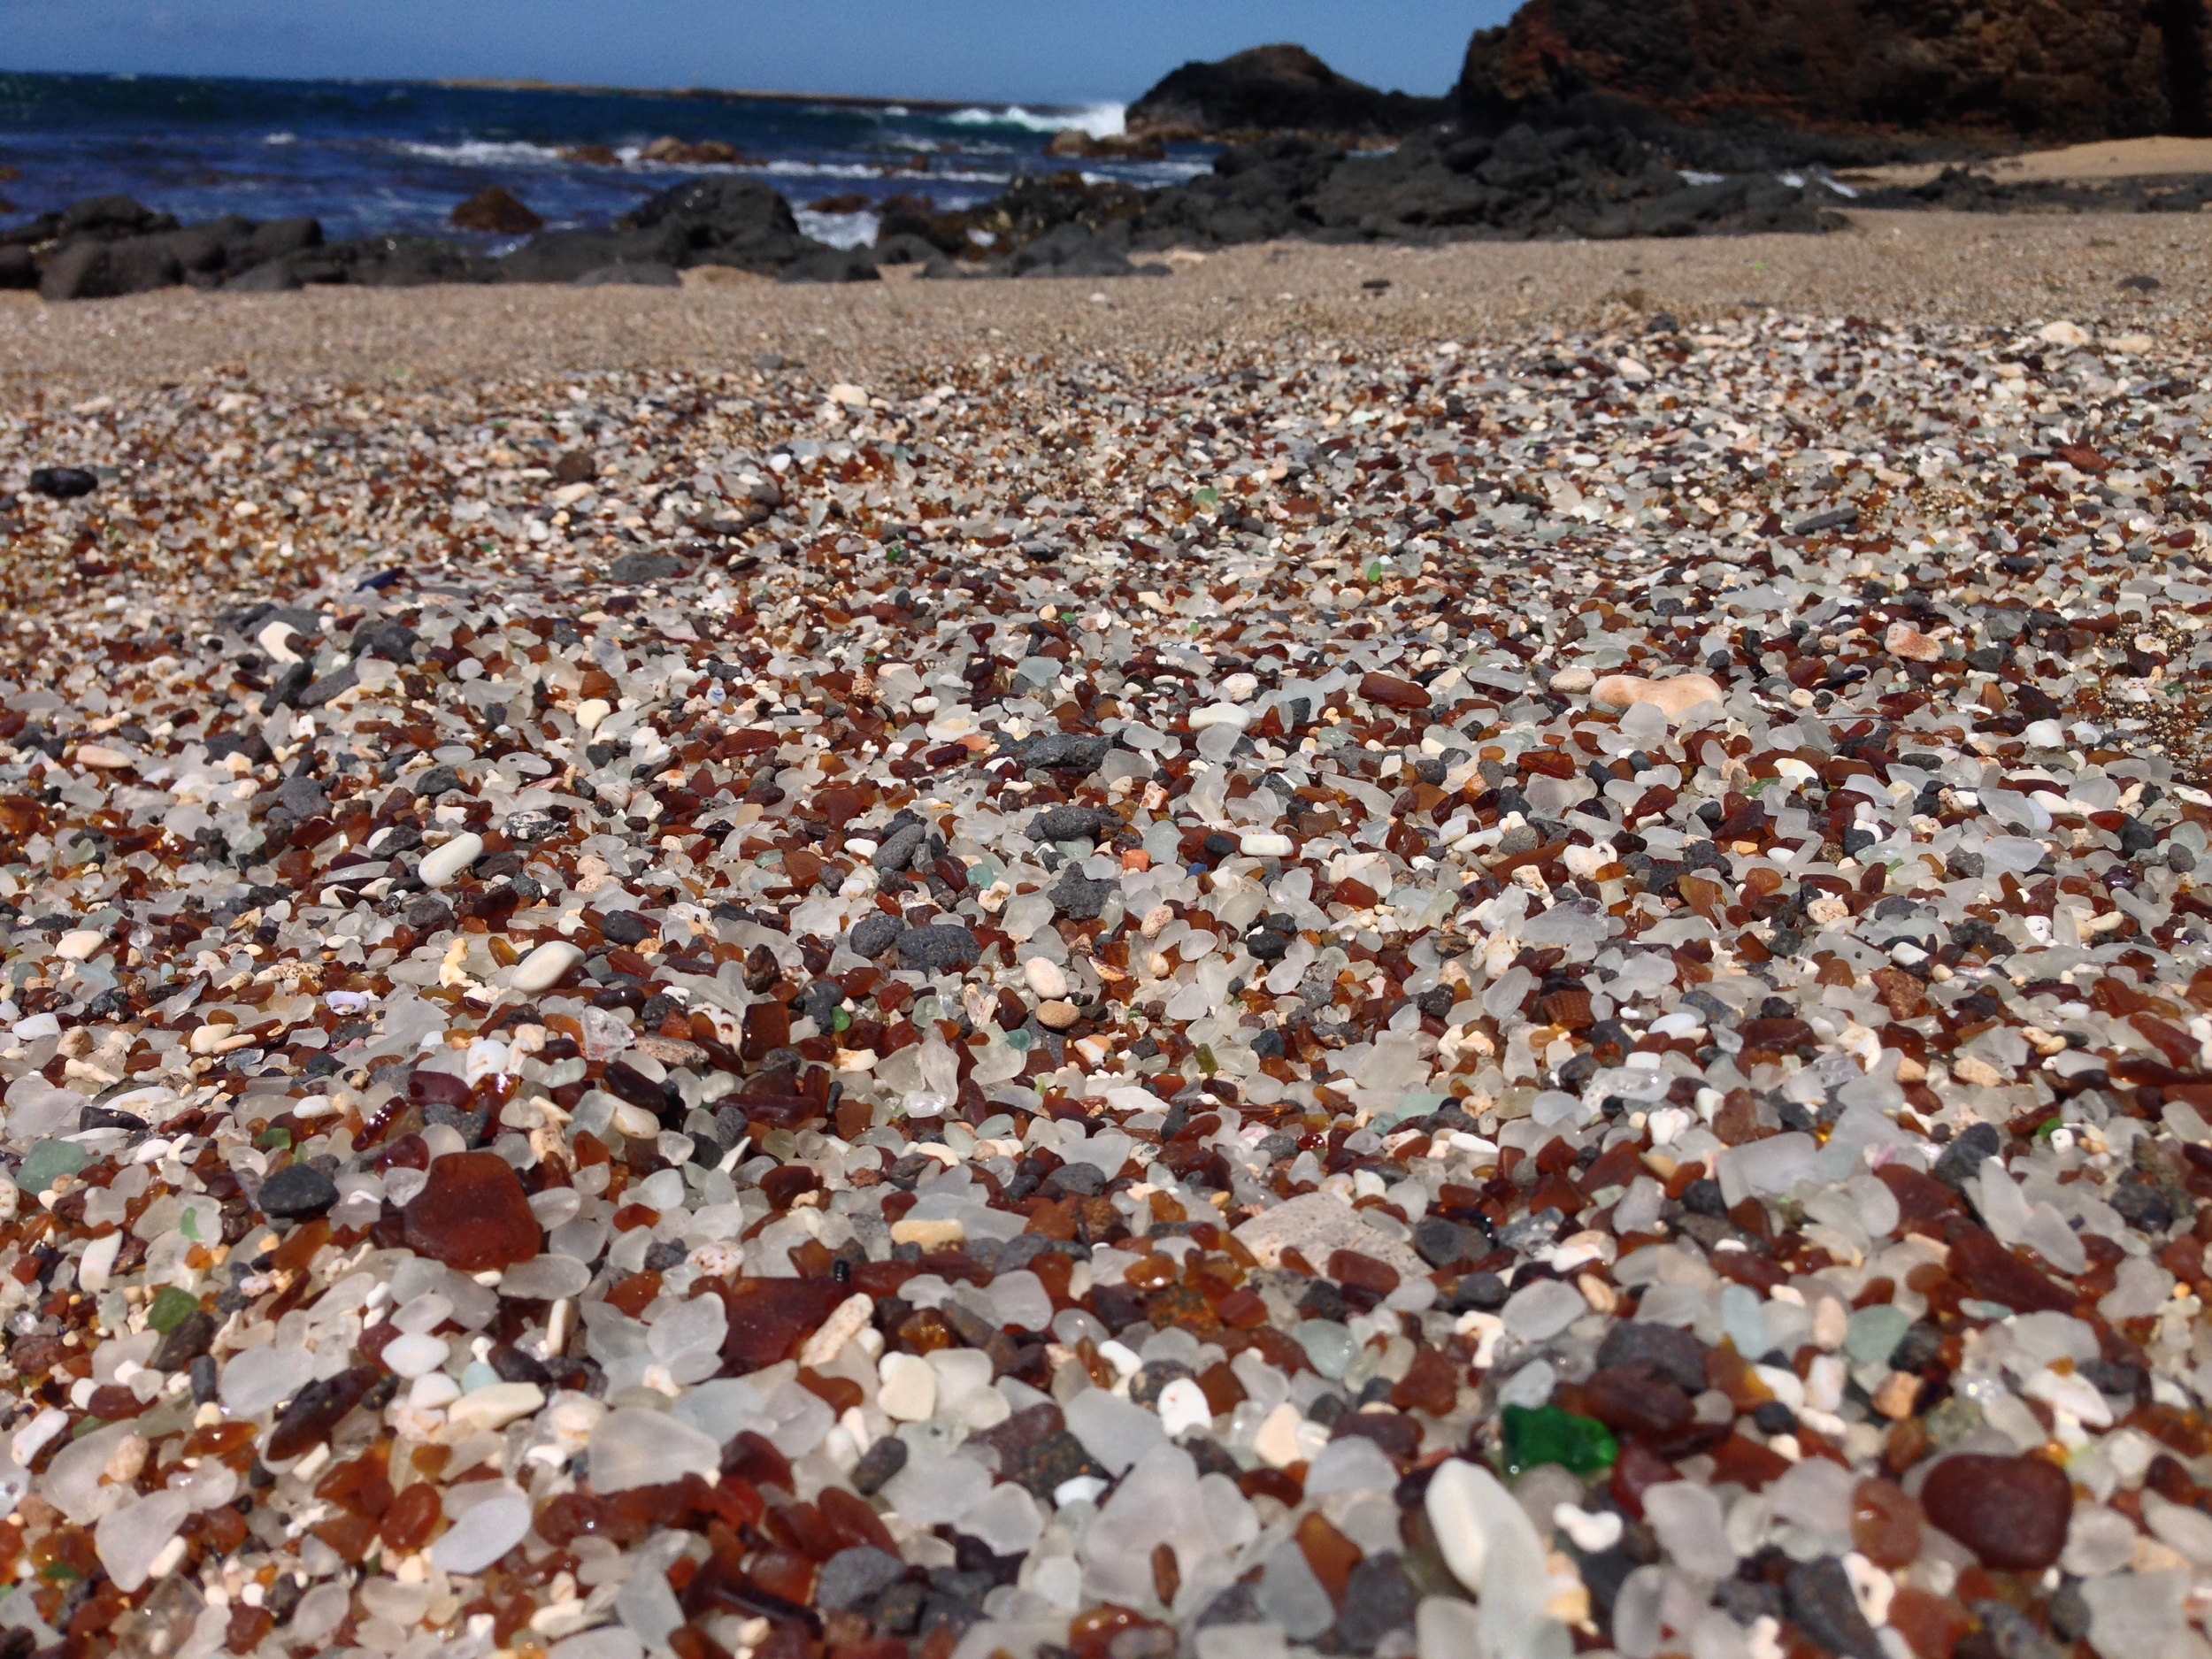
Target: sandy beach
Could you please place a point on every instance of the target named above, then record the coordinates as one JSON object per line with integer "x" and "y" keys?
{"x": 1909, "y": 267}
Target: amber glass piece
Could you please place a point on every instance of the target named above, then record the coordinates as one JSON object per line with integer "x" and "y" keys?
{"x": 1329, "y": 1553}
{"x": 1150, "y": 1272}
{"x": 1884, "y": 1523}
{"x": 769, "y": 1317}
{"x": 925, "y": 1332}
{"x": 247, "y": 1627}
{"x": 300, "y": 1245}
{"x": 410, "y": 1520}
{"x": 1224, "y": 1393}
{"x": 1053, "y": 1271}
{"x": 634, "y": 1294}
{"x": 753, "y": 1456}
{"x": 360, "y": 1486}
{"x": 1430, "y": 1384}
{"x": 2010, "y": 1511}
{"x": 1167, "y": 1574}
{"x": 783, "y": 1572}
{"x": 852, "y": 1522}
{"x": 473, "y": 1213}
{"x": 840, "y": 1393}
{"x": 217, "y": 1439}
{"x": 1931, "y": 1625}
{"x": 1357, "y": 1271}
{"x": 1241, "y": 1309}
{"x": 1091, "y": 1634}
{"x": 64, "y": 1554}
{"x": 350, "y": 1535}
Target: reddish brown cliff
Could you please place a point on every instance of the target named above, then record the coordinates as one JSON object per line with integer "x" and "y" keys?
{"x": 2056, "y": 71}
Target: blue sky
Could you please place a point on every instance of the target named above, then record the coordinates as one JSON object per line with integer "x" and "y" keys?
{"x": 1056, "y": 49}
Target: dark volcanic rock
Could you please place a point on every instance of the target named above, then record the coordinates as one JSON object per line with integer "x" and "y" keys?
{"x": 635, "y": 276}
{"x": 497, "y": 210}
{"x": 1275, "y": 89}
{"x": 1997, "y": 73}
{"x": 725, "y": 220}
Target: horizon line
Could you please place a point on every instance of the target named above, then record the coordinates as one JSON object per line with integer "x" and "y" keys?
{"x": 526, "y": 83}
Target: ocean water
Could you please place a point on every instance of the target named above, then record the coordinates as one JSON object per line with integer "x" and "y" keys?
{"x": 377, "y": 157}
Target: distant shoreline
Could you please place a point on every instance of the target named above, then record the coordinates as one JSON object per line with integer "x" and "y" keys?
{"x": 842, "y": 100}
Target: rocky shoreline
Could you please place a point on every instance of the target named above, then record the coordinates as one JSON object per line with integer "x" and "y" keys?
{"x": 1436, "y": 186}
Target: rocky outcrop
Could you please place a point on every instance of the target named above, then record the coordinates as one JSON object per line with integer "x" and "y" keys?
{"x": 498, "y": 211}
{"x": 1436, "y": 187}
{"x": 1994, "y": 72}
{"x": 112, "y": 246}
{"x": 1275, "y": 90}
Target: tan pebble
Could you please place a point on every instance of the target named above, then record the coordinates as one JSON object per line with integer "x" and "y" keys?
{"x": 495, "y": 1405}
{"x": 1673, "y": 698}
{"x": 1904, "y": 639}
{"x": 931, "y": 1235}
{"x": 1277, "y": 1441}
{"x": 1895, "y": 1398}
{"x": 1046, "y": 978}
{"x": 1573, "y": 681}
{"x": 101, "y": 756}
{"x": 1970, "y": 1069}
{"x": 1056, "y": 1015}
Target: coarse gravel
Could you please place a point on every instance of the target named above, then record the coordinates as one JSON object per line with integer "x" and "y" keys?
{"x": 1368, "y": 979}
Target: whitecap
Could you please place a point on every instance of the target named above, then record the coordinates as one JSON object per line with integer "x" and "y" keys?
{"x": 838, "y": 230}
{"x": 1100, "y": 121}
{"x": 483, "y": 153}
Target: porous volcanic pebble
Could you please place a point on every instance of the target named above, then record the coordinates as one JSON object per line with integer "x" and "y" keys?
{"x": 2010, "y": 1511}
{"x": 298, "y": 1189}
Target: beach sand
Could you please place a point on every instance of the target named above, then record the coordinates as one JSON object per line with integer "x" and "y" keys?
{"x": 1926, "y": 266}
{"x": 2112, "y": 158}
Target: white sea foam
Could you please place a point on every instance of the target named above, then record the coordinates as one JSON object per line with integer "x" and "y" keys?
{"x": 1100, "y": 121}
{"x": 840, "y": 230}
{"x": 281, "y": 138}
{"x": 483, "y": 153}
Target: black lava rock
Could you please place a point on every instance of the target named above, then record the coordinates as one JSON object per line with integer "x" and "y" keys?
{"x": 298, "y": 1189}
{"x": 883, "y": 1459}
{"x": 63, "y": 483}
{"x": 937, "y": 946}
{"x": 1822, "y": 1603}
{"x": 874, "y": 935}
{"x": 1664, "y": 1350}
{"x": 1965, "y": 1154}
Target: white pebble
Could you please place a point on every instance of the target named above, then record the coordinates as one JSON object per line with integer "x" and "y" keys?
{"x": 909, "y": 1390}
{"x": 1182, "y": 1405}
{"x": 414, "y": 1354}
{"x": 442, "y": 864}
{"x": 543, "y": 968}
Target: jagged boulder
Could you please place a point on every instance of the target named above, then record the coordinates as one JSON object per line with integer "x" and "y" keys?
{"x": 2000, "y": 72}
{"x": 1274, "y": 89}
